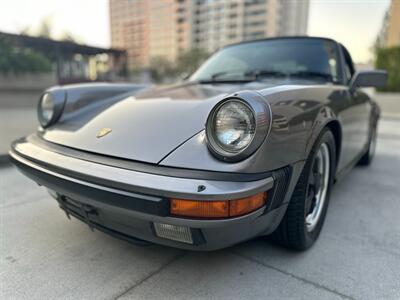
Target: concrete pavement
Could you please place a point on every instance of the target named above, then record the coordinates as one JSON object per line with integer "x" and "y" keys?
{"x": 15, "y": 123}
{"x": 389, "y": 103}
{"x": 46, "y": 256}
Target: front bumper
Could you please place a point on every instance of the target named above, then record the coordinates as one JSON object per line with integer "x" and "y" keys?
{"x": 126, "y": 203}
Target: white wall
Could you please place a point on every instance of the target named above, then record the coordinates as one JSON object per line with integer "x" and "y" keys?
{"x": 27, "y": 81}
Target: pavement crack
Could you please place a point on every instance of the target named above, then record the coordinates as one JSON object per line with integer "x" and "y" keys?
{"x": 303, "y": 280}
{"x": 144, "y": 279}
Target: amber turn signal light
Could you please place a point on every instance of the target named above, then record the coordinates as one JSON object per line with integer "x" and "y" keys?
{"x": 217, "y": 209}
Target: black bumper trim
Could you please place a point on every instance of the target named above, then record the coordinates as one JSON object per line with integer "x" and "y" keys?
{"x": 112, "y": 232}
{"x": 281, "y": 183}
{"x": 91, "y": 216}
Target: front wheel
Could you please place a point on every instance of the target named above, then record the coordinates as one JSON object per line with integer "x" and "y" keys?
{"x": 305, "y": 215}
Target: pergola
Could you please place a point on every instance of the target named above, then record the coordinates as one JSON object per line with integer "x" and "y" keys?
{"x": 75, "y": 62}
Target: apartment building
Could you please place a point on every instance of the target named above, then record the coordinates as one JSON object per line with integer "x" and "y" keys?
{"x": 217, "y": 23}
{"x": 149, "y": 28}
{"x": 389, "y": 35}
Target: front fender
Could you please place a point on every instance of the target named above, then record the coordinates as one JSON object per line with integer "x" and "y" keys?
{"x": 326, "y": 117}
{"x": 92, "y": 95}
{"x": 298, "y": 115}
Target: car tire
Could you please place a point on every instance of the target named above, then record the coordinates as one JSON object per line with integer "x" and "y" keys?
{"x": 304, "y": 217}
{"x": 368, "y": 156}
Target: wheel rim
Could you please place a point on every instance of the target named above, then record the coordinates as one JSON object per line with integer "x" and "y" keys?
{"x": 317, "y": 187}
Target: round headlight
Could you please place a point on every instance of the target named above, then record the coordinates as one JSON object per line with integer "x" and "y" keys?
{"x": 51, "y": 105}
{"x": 236, "y": 127}
{"x": 46, "y": 109}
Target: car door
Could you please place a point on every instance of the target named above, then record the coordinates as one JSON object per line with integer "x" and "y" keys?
{"x": 354, "y": 119}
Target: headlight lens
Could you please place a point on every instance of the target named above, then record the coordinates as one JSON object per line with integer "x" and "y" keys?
{"x": 46, "y": 109}
{"x": 238, "y": 125}
{"x": 51, "y": 106}
{"x": 233, "y": 126}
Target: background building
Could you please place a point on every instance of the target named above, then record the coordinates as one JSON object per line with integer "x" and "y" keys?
{"x": 150, "y": 28}
{"x": 389, "y": 35}
{"x": 69, "y": 61}
{"x": 217, "y": 23}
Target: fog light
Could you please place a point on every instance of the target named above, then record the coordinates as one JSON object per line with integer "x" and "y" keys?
{"x": 173, "y": 232}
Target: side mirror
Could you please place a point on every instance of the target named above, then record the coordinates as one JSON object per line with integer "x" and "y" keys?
{"x": 375, "y": 78}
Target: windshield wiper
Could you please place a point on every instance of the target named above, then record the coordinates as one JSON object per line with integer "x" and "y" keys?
{"x": 214, "y": 78}
{"x": 246, "y": 76}
{"x": 205, "y": 81}
{"x": 267, "y": 73}
{"x": 219, "y": 74}
{"x": 326, "y": 76}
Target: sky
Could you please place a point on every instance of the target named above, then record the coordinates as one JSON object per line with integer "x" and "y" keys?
{"x": 355, "y": 23}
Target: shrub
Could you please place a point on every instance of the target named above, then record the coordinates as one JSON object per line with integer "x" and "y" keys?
{"x": 189, "y": 61}
{"x": 389, "y": 60}
{"x": 18, "y": 60}
{"x": 161, "y": 69}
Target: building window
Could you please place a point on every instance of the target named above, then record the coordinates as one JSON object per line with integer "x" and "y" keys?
{"x": 254, "y": 13}
{"x": 254, "y": 35}
{"x": 256, "y": 23}
{"x": 254, "y": 2}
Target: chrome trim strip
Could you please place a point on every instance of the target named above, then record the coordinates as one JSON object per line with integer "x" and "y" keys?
{"x": 138, "y": 182}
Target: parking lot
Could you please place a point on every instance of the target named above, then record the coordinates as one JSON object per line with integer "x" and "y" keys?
{"x": 46, "y": 256}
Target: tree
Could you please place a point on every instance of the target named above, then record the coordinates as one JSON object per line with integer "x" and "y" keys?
{"x": 389, "y": 60}
{"x": 68, "y": 37}
{"x": 44, "y": 29}
{"x": 161, "y": 69}
{"x": 16, "y": 60}
{"x": 190, "y": 60}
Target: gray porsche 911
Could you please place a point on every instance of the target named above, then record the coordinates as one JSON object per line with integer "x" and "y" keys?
{"x": 250, "y": 145}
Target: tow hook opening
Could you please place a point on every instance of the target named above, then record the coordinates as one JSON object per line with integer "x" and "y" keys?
{"x": 85, "y": 210}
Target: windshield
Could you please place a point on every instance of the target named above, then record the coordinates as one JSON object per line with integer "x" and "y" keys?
{"x": 305, "y": 58}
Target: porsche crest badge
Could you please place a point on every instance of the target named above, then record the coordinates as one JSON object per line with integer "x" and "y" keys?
{"x": 103, "y": 132}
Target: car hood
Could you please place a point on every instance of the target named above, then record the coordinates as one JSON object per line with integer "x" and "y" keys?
{"x": 146, "y": 126}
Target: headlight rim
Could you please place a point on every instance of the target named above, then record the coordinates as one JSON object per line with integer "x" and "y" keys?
{"x": 59, "y": 99}
{"x": 263, "y": 118}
